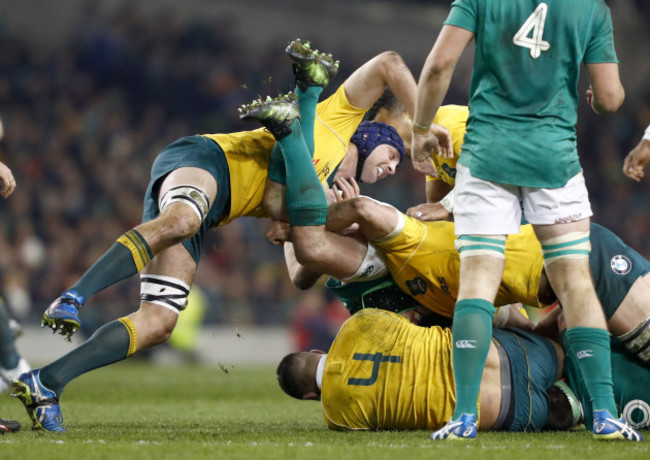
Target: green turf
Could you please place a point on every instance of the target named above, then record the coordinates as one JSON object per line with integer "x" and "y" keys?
{"x": 136, "y": 410}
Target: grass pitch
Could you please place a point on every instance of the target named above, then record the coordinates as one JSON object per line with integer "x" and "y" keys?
{"x": 140, "y": 411}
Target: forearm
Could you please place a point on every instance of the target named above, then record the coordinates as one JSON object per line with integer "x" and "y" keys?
{"x": 401, "y": 82}
{"x": 432, "y": 88}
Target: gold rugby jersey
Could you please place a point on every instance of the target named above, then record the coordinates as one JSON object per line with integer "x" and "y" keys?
{"x": 454, "y": 118}
{"x": 248, "y": 153}
{"x": 424, "y": 263}
{"x": 382, "y": 372}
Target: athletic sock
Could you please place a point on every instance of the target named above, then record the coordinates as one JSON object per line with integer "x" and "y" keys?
{"x": 472, "y": 333}
{"x": 128, "y": 255}
{"x": 113, "y": 342}
{"x": 306, "y": 201}
{"x": 308, "y": 99}
{"x": 9, "y": 356}
{"x": 591, "y": 347}
{"x": 277, "y": 172}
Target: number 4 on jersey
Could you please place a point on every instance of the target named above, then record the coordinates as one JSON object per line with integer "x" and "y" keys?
{"x": 534, "y": 23}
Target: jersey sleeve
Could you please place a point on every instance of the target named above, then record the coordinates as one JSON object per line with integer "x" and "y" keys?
{"x": 600, "y": 48}
{"x": 463, "y": 14}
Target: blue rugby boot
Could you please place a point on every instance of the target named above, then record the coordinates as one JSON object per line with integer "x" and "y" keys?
{"x": 461, "y": 429}
{"x": 62, "y": 315}
{"x": 607, "y": 428}
{"x": 42, "y": 404}
{"x": 275, "y": 114}
{"x": 311, "y": 67}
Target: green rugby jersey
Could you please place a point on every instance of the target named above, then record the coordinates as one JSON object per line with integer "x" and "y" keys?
{"x": 523, "y": 94}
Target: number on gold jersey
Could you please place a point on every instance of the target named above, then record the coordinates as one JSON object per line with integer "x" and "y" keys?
{"x": 377, "y": 359}
{"x": 534, "y": 26}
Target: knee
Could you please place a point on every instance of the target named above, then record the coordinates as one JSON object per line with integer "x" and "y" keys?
{"x": 309, "y": 246}
{"x": 179, "y": 226}
{"x": 154, "y": 326}
{"x": 362, "y": 208}
{"x": 161, "y": 330}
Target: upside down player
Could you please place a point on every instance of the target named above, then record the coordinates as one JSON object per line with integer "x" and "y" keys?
{"x": 382, "y": 409}
{"x": 198, "y": 182}
{"x": 420, "y": 255}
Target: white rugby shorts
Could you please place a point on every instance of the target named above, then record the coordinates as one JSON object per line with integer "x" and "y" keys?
{"x": 487, "y": 208}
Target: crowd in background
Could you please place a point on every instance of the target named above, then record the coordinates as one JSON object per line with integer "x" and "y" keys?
{"x": 84, "y": 122}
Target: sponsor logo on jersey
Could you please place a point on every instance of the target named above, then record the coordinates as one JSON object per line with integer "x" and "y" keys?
{"x": 416, "y": 286}
{"x": 325, "y": 171}
{"x": 621, "y": 265}
{"x": 451, "y": 172}
{"x": 368, "y": 271}
{"x": 465, "y": 343}
{"x": 585, "y": 354}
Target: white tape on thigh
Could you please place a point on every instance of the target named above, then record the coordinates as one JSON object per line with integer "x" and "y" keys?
{"x": 165, "y": 291}
{"x": 481, "y": 245}
{"x": 189, "y": 195}
{"x": 575, "y": 245}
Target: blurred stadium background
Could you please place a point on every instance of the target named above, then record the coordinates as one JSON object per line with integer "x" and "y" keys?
{"x": 91, "y": 91}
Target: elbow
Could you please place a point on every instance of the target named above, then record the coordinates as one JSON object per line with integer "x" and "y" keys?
{"x": 610, "y": 102}
{"x": 362, "y": 208}
{"x": 302, "y": 284}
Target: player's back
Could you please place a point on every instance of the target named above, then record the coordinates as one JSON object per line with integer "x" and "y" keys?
{"x": 523, "y": 93}
{"x": 528, "y": 54}
{"x": 383, "y": 372}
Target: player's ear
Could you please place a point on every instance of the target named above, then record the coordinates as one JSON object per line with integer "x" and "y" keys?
{"x": 318, "y": 352}
{"x": 312, "y": 395}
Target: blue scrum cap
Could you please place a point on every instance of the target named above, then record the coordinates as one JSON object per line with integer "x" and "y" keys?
{"x": 369, "y": 135}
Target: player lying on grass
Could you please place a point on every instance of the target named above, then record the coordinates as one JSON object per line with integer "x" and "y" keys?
{"x": 201, "y": 182}
{"x": 384, "y": 373}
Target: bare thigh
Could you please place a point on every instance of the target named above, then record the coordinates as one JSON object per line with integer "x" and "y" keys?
{"x": 634, "y": 309}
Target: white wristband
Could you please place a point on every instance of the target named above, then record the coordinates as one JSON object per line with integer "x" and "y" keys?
{"x": 448, "y": 202}
{"x": 646, "y": 135}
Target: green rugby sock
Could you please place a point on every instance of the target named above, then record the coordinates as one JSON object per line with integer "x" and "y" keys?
{"x": 308, "y": 100}
{"x": 591, "y": 347}
{"x": 306, "y": 201}
{"x": 9, "y": 356}
{"x": 277, "y": 172}
{"x": 128, "y": 255}
{"x": 109, "y": 344}
{"x": 472, "y": 333}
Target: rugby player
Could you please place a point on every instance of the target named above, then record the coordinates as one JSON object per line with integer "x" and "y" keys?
{"x": 384, "y": 373}
{"x": 199, "y": 182}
